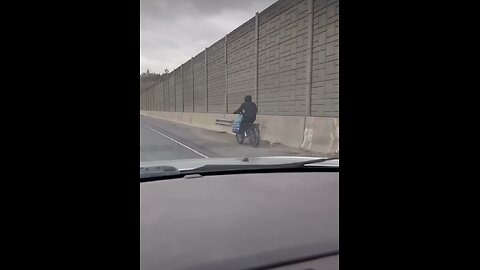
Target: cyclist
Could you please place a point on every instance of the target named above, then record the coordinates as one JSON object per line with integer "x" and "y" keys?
{"x": 249, "y": 111}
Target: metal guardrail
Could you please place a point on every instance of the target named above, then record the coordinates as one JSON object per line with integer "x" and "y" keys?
{"x": 223, "y": 122}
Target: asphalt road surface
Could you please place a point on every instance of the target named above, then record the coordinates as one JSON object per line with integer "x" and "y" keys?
{"x": 164, "y": 140}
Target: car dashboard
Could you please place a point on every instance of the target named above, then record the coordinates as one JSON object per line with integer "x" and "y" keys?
{"x": 241, "y": 221}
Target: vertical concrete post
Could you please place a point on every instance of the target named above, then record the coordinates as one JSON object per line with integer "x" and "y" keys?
{"x": 163, "y": 101}
{"x": 183, "y": 92}
{"x": 256, "y": 58}
{"x": 167, "y": 93}
{"x": 164, "y": 94}
{"x": 159, "y": 98}
{"x": 193, "y": 86}
{"x": 226, "y": 76}
{"x": 160, "y": 94}
{"x": 168, "y": 99}
{"x": 153, "y": 96}
{"x": 174, "y": 92}
{"x": 206, "y": 79}
{"x": 308, "y": 94}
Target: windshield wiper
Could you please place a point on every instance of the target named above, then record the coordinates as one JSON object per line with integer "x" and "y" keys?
{"x": 318, "y": 160}
{"x": 158, "y": 171}
{"x": 293, "y": 165}
{"x": 148, "y": 174}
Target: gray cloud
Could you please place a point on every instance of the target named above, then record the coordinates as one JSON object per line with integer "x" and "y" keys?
{"x": 172, "y": 31}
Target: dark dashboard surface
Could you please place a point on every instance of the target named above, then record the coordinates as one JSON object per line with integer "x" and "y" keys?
{"x": 238, "y": 221}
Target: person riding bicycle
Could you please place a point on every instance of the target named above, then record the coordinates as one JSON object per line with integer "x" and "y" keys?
{"x": 249, "y": 111}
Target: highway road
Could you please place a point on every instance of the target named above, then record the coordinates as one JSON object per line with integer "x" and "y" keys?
{"x": 164, "y": 140}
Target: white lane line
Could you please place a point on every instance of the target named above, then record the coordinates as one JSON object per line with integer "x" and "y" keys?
{"x": 189, "y": 148}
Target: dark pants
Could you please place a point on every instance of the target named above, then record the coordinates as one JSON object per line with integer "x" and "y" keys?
{"x": 245, "y": 122}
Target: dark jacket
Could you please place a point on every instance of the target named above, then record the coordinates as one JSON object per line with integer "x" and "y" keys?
{"x": 249, "y": 110}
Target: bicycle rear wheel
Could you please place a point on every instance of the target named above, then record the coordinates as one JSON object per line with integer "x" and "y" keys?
{"x": 252, "y": 136}
{"x": 257, "y": 136}
{"x": 240, "y": 137}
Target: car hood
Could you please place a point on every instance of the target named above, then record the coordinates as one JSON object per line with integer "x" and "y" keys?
{"x": 189, "y": 164}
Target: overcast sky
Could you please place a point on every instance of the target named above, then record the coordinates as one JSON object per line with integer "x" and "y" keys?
{"x": 172, "y": 31}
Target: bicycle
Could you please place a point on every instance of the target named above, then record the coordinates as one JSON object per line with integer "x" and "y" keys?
{"x": 252, "y": 132}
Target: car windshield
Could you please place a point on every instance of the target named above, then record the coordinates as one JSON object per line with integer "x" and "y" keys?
{"x": 239, "y": 134}
{"x": 223, "y": 80}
